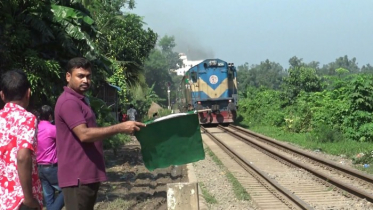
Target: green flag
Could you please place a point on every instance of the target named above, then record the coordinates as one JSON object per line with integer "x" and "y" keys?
{"x": 171, "y": 140}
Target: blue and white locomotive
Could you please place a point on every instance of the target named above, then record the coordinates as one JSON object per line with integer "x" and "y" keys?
{"x": 210, "y": 87}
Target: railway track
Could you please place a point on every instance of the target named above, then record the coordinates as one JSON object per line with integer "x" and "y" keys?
{"x": 280, "y": 176}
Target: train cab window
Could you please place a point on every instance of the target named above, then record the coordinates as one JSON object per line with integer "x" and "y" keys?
{"x": 194, "y": 76}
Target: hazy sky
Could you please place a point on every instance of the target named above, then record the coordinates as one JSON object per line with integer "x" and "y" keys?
{"x": 251, "y": 31}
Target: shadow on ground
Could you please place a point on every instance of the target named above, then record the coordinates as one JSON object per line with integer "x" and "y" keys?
{"x": 131, "y": 186}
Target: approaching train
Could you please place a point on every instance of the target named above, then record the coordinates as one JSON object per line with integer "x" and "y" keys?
{"x": 210, "y": 87}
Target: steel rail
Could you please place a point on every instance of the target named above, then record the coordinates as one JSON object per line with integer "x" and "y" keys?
{"x": 351, "y": 189}
{"x": 289, "y": 195}
{"x": 354, "y": 173}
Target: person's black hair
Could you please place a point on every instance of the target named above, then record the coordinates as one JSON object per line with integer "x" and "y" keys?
{"x": 78, "y": 62}
{"x": 14, "y": 84}
{"x": 131, "y": 105}
{"x": 45, "y": 112}
{"x": 36, "y": 113}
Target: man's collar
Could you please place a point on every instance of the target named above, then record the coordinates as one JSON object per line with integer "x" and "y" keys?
{"x": 72, "y": 92}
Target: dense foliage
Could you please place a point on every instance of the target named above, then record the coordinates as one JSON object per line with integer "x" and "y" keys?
{"x": 41, "y": 36}
{"x": 157, "y": 67}
{"x": 332, "y": 107}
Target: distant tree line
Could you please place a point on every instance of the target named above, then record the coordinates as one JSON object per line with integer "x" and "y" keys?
{"x": 271, "y": 74}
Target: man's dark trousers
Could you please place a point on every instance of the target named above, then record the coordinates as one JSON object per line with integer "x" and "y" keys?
{"x": 81, "y": 197}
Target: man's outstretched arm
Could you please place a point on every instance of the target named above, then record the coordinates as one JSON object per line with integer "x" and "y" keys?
{"x": 86, "y": 134}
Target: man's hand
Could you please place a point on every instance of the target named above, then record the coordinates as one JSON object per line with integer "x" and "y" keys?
{"x": 32, "y": 203}
{"x": 130, "y": 127}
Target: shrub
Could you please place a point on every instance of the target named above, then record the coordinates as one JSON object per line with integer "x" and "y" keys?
{"x": 325, "y": 133}
{"x": 276, "y": 118}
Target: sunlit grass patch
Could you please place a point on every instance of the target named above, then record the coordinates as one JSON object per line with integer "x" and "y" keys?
{"x": 213, "y": 157}
{"x": 239, "y": 191}
{"x": 209, "y": 198}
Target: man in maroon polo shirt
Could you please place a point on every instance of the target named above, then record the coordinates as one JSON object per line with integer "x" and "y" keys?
{"x": 81, "y": 165}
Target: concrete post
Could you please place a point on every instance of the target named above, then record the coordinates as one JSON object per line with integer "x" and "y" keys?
{"x": 182, "y": 196}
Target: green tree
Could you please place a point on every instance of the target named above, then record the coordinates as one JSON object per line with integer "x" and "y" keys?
{"x": 367, "y": 68}
{"x": 158, "y": 65}
{"x": 314, "y": 65}
{"x": 244, "y": 78}
{"x": 341, "y": 62}
{"x": 267, "y": 74}
{"x": 167, "y": 45}
{"x": 39, "y": 36}
{"x": 156, "y": 73}
{"x": 300, "y": 79}
{"x": 341, "y": 71}
{"x": 296, "y": 62}
{"x": 123, "y": 39}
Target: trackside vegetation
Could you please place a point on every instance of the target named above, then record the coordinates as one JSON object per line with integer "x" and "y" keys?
{"x": 209, "y": 198}
{"x": 328, "y": 109}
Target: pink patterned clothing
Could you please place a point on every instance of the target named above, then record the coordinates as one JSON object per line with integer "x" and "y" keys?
{"x": 17, "y": 131}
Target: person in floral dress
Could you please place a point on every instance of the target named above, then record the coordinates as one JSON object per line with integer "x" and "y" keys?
{"x": 20, "y": 187}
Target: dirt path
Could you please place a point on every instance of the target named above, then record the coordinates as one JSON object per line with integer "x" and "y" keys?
{"x": 131, "y": 185}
